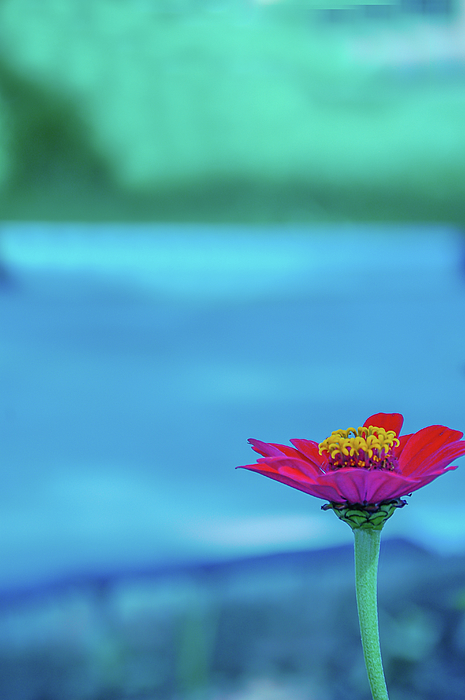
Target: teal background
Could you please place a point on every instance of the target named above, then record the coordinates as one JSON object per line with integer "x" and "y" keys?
{"x": 222, "y": 111}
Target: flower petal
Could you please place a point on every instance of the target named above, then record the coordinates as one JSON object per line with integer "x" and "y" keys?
{"x": 275, "y": 464}
{"x": 273, "y": 449}
{"x": 309, "y": 448}
{"x": 265, "y": 448}
{"x": 429, "y": 477}
{"x": 403, "y": 439}
{"x": 388, "y": 421}
{"x": 287, "y": 450}
{"x": 423, "y": 445}
{"x": 304, "y": 466}
{"x": 388, "y": 485}
{"x": 440, "y": 459}
{"x": 349, "y": 483}
{"x": 368, "y": 485}
{"x": 301, "y": 484}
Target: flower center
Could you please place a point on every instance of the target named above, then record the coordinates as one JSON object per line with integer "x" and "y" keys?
{"x": 368, "y": 448}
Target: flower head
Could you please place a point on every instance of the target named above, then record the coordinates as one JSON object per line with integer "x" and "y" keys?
{"x": 366, "y": 467}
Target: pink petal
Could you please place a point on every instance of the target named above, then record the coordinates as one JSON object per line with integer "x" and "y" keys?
{"x": 305, "y": 467}
{"x": 272, "y": 449}
{"x": 388, "y": 421}
{"x": 440, "y": 459}
{"x": 389, "y": 485}
{"x": 309, "y": 448}
{"x": 423, "y": 444}
{"x": 351, "y": 484}
{"x": 326, "y": 491}
{"x": 368, "y": 486}
{"x": 307, "y": 486}
{"x": 289, "y": 451}
{"x": 428, "y": 478}
{"x": 403, "y": 439}
{"x": 264, "y": 448}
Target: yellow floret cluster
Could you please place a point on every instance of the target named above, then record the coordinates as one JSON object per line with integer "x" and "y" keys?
{"x": 372, "y": 441}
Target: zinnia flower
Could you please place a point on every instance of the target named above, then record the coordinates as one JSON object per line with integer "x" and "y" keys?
{"x": 364, "y": 467}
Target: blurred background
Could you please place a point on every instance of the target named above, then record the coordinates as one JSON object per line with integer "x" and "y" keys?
{"x": 223, "y": 220}
{"x": 214, "y": 110}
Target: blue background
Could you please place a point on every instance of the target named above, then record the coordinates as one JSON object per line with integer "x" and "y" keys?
{"x": 137, "y": 360}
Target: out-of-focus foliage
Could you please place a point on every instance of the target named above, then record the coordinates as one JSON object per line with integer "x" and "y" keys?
{"x": 217, "y": 110}
{"x": 280, "y": 628}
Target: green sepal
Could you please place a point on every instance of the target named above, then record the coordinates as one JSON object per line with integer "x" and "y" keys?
{"x": 367, "y": 517}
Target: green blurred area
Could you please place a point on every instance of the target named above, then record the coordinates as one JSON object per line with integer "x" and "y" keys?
{"x": 183, "y": 110}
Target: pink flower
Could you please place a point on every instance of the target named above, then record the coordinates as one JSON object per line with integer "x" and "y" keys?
{"x": 367, "y": 466}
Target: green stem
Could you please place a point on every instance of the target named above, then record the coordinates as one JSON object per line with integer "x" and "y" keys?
{"x": 366, "y": 575}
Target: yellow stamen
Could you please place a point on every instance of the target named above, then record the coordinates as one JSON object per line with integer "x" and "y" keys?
{"x": 373, "y": 442}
